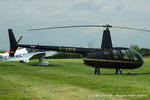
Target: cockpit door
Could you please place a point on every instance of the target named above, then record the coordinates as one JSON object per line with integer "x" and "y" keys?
{"x": 126, "y": 55}
{"x": 116, "y": 54}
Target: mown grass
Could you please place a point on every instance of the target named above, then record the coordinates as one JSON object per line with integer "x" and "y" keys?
{"x": 70, "y": 79}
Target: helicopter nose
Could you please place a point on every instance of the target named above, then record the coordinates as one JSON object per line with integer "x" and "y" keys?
{"x": 142, "y": 61}
{"x": 140, "y": 58}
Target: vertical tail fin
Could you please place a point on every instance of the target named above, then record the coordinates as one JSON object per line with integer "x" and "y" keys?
{"x": 106, "y": 41}
{"x": 13, "y": 43}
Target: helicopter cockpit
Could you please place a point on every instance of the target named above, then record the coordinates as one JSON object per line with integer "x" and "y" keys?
{"x": 126, "y": 54}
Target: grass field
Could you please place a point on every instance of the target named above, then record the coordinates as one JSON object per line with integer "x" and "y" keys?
{"x": 70, "y": 79}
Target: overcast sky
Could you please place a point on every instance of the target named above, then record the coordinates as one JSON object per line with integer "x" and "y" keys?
{"x": 21, "y": 15}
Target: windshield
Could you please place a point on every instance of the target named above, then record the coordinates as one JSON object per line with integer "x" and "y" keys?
{"x": 137, "y": 56}
{"x": 127, "y": 55}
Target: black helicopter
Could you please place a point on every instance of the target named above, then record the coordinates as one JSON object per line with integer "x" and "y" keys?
{"x": 105, "y": 57}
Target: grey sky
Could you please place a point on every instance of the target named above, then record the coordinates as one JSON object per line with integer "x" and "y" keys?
{"x": 21, "y": 15}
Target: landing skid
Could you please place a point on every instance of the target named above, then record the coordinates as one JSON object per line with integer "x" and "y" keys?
{"x": 118, "y": 69}
{"x": 42, "y": 62}
{"x": 97, "y": 71}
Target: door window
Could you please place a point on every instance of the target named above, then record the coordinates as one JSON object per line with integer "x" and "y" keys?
{"x": 126, "y": 54}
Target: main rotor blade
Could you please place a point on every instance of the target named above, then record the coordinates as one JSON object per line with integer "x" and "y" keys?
{"x": 130, "y": 28}
{"x": 69, "y": 27}
{"x": 76, "y": 26}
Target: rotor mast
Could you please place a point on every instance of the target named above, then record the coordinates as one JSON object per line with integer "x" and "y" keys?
{"x": 106, "y": 40}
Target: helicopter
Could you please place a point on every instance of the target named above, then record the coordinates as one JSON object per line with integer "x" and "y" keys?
{"x": 105, "y": 57}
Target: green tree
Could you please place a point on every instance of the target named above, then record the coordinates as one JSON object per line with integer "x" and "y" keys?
{"x": 135, "y": 47}
{"x": 145, "y": 52}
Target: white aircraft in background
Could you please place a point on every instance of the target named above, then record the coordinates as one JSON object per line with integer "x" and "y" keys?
{"x": 24, "y": 55}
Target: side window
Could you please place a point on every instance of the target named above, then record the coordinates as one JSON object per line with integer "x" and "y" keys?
{"x": 115, "y": 54}
{"x": 125, "y": 54}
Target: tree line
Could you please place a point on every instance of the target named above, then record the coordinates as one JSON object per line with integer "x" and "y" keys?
{"x": 143, "y": 51}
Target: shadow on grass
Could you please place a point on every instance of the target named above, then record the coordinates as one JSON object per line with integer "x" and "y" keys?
{"x": 8, "y": 65}
{"x": 126, "y": 74}
{"x": 50, "y": 65}
{"x": 140, "y": 74}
